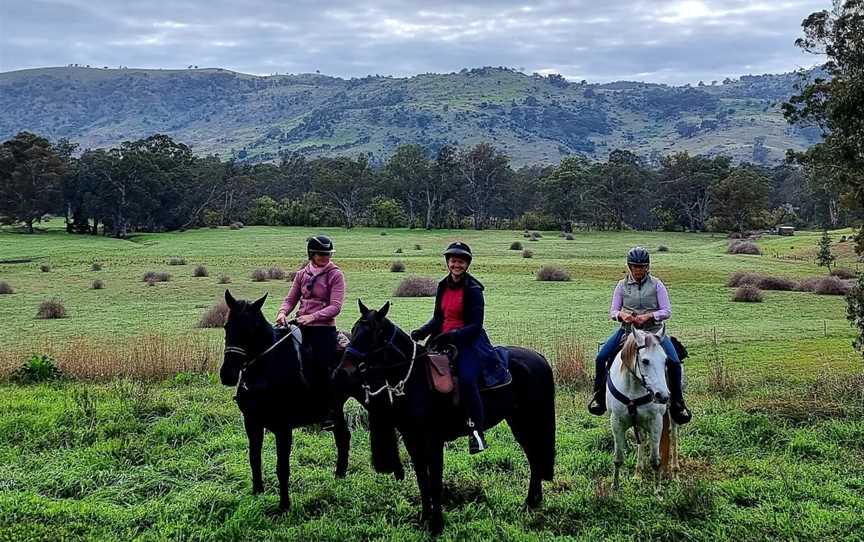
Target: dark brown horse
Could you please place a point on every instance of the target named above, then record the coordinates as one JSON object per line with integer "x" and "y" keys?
{"x": 389, "y": 367}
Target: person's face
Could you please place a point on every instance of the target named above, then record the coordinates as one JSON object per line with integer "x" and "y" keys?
{"x": 320, "y": 260}
{"x": 638, "y": 271}
{"x": 457, "y": 266}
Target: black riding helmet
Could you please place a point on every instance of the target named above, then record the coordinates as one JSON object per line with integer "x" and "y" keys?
{"x": 638, "y": 256}
{"x": 458, "y": 248}
{"x": 319, "y": 244}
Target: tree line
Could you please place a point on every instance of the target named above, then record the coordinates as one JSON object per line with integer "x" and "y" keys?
{"x": 158, "y": 184}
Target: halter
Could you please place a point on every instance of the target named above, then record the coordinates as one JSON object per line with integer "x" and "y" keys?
{"x": 242, "y": 352}
{"x": 633, "y": 404}
{"x": 397, "y": 390}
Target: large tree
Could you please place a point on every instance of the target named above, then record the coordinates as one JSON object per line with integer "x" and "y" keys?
{"x": 739, "y": 199}
{"x": 345, "y": 182}
{"x": 484, "y": 173}
{"x": 31, "y": 172}
{"x": 565, "y": 193}
{"x": 687, "y": 184}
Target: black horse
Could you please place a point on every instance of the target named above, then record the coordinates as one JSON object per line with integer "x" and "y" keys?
{"x": 272, "y": 391}
{"x": 391, "y": 370}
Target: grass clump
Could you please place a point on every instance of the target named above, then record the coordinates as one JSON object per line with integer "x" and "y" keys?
{"x": 177, "y": 261}
{"x": 51, "y": 309}
{"x": 397, "y": 267}
{"x": 843, "y": 273}
{"x": 551, "y": 273}
{"x": 721, "y": 380}
{"x": 156, "y": 276}
{"x": 398, "y": 251}
{"x": 744, "y": 247}
{"x": 45, "y": 268}
{"x": 214, "y": 316}
{"x": 831, "y": 286}
{"x": 275, "y": 273}
{"x": 748, "y": 294}
{"x": 6, "y": 288}
{"x": 236, "y": 226}
{"x": 200, "y": 271}
{"x": 418, "y": 247}
{"x": 416, "y": 287}
{"x": 569, "y": 237}
{"x": 516, "y": 245}
{"x": 260, "y": 275}
{"x": 764, "y": 282}
{"x": 662, "y": 248}
{"x": 97, "y": 285}
{"x": 39, "y": 368}
{"x": 96, "y": 266}
{"x": 224, "y": 279}
{"x": 570, "y": 365}
{"x": 527, "y": 253}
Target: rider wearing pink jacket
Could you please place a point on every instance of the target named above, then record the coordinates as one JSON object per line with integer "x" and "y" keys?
{"x": 319, "y": 287}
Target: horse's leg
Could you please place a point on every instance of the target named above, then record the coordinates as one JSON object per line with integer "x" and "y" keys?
{"x": 283, "y": 466}
{"x": 673, "y": 449}
{"x": 342, "y": 436}
{"x": 620, "y": 438}
{"x": 522, "y": 431}
{"x": 255, "y": 434}
{"x": 417, "y": 451}
{"x": 655, "y": 433}
{"x": 435, "y": 454}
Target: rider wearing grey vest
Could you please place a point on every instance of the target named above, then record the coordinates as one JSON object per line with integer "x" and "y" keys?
{"x": 640, "y": 301}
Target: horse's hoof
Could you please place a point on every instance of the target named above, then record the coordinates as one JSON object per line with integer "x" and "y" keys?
{"x": 341, "y": 473}
{"x": 436, "y": 526}
{"x": 399, "y": 474}
{"x": 257, "y": 489}
{"x": 284, "y": 505}
{"x": 533, "y": 501}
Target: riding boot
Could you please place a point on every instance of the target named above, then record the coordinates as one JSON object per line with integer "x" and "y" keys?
{"x": 677, "y": 409}
{"x": 597, "y": 406}
{"x": 330, "y": 419}
{"x": 476, "y": 441}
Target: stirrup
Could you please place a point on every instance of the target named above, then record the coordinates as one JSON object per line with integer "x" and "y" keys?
{"x": 680, "y": 413}
{"x": 597, "y": 406}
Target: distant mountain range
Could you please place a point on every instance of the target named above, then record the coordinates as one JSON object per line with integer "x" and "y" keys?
{"x": 535, "y": 119}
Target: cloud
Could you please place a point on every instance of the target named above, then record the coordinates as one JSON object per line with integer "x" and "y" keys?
{"x": 668, "y": 41}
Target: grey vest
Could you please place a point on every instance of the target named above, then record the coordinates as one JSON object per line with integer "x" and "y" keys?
{"x": 641, "y": 298}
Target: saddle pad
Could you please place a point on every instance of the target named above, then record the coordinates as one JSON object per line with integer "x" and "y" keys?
{"x": 440, "y": 376}
{"x": 496, "y": 373}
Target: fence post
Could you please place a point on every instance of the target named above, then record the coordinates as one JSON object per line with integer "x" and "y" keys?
{"x": 825, "y": 327}
{"x": 715, "y": 335}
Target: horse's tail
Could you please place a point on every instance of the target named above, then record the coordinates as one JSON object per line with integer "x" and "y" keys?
{"x": 533, "y": 422}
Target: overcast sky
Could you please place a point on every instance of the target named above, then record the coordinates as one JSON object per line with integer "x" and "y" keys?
{"x": 662, "y": 41}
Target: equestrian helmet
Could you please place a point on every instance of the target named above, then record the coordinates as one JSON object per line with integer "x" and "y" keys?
{"x": 458, "y": 248}
{"x": 638, "y": 256}
{"x": 319, "y": 244}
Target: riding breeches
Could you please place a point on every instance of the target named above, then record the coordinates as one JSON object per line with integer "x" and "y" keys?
{"x": 468, "y": 369}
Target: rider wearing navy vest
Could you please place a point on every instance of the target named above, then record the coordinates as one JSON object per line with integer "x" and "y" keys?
{"x": 458, "y": 321}
{"x": 640, "y": 301}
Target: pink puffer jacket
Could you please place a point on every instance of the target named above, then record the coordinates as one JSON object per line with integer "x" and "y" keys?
{"x": 320, "y": 291}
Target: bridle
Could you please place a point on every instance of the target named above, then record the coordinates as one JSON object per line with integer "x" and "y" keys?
{"x": 633, "y": 404}
{"x": 393, "y": 390}
{"x": 250, "y": 360}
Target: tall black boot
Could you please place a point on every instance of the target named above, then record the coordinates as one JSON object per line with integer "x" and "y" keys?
{"x": 476, "y": 441}
{"x": 677, "y": 409}
{"x": 597, "y": 406}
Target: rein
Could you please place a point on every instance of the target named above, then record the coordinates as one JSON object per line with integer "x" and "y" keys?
{"x": 242, "y": 352}
{"x": 393, "y": 390}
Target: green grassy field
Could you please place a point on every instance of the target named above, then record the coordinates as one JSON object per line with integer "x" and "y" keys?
{"x": 774, "y": 451}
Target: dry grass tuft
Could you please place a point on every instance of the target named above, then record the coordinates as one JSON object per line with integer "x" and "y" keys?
{"x": 152, "y": 277}
{"x": 527, "y": 253}
{"x": 397, "y": 267}
{"x": 515, "y": 245}
{"x": 744, "y": 247}
{"x": 844, "y": 273}
{"x": 215, "y": 316}
{"x": 260, "y": 275}
{"x": 177, "y": 261}
{"x": 748, "y": 294}
{"x": 571, "y": 361}
{"x": 6, "y": 288}
{"x": 275, "y": 273}
{"x": 224, "y": 279}
{"x": 97, "y": 285}
{"x": 200, "y": 271}
{"x": 550, "y": 273}
{"x": 416, "y": 287}
{"x": 45, "y": 268}
{"x": 51, "y": 309}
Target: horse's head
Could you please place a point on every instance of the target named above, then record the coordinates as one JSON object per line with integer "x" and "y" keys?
{"x": 371, "y": 334}
{"x": 643, "y": 356}
{"x": 247, "y": 333}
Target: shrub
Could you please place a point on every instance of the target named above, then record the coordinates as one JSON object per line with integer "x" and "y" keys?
{"x": 843, "y": 273}
{"x": 260, "y": 275}
{"x": 527, "y": 253}
{"x": 740, "y": 278}
{"x": 177, "y": 261}
{"x": 748, "y": 294}
{"x": 224, "y": 279}
{"x": 662, "y": 248}
{"x": 383, "y": 233}
{"x": 418, "y": 247}
{"x": 50, "y": 309}
{"x": 5, "y": 288}
{"x": 721, "y": 379}
{"x": 200, "y": 271}
{"x": 236, "y": 225}
{"x": 515, "y": 245}
{"x": 398, "y": 251}
{"x": 831, "y": 286}
{"x": 96, "y": 266}
{"x": 776, "y": 283}
{"x": 552, "y": 273}
{"x": 97, "y": 285}
{"x": 570, "y": 365}
{"x": 45, "y": 268}
{"x": 39, "y": 368}
{"x": 568, "y": 237}
{"x": 214, "y": 316}
{"x": 536, "y": 234}
{"x": 526, "y": 235}
{"x": 744, "y": 247}
{"x": 156, "y": 276}
{"x": 290, "y": 276}
{"x": 807, "y": 285}
{"x": 213, "y": 226}
{"x": 397, "y": 267}
{"x": 275, "y": 273}
{"x": 416, "y": 287}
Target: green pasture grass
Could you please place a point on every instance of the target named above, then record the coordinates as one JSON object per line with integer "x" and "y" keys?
{"x": 768, "y": 460}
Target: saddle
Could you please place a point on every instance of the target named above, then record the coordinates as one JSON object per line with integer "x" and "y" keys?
{"x": 439, "y": 369}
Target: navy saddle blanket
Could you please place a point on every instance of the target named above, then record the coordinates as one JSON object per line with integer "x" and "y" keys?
{"x": 496, "y": 373}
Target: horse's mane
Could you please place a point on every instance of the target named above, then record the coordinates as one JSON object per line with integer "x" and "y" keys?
{"x": 628, "y": 352}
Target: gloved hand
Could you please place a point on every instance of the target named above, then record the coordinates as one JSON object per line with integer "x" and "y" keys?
{"x": 441, "y": 340}
{"x": 417, "y": 335}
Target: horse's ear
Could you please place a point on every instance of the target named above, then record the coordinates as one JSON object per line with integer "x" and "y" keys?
{"x": 363, "y": 308}
{"x": 639, "y": 337}
{"x": 229, "y": 299}
{"x": 259, "y": 302}
{"x": 382, "y": 312}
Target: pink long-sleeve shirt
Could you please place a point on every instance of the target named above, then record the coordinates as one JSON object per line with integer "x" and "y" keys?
{"x": 664, "y": 313}
{"x": 325, "y": 297}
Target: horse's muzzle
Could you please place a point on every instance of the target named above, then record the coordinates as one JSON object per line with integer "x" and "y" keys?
{"x": 661, "y": 398}
{"x": 229, "y": 376}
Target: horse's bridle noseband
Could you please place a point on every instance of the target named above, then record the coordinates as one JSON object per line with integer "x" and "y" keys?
{"x": 397, "y": 390}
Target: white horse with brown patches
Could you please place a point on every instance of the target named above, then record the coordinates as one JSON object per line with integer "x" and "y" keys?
{"x": 638, "y": 397}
